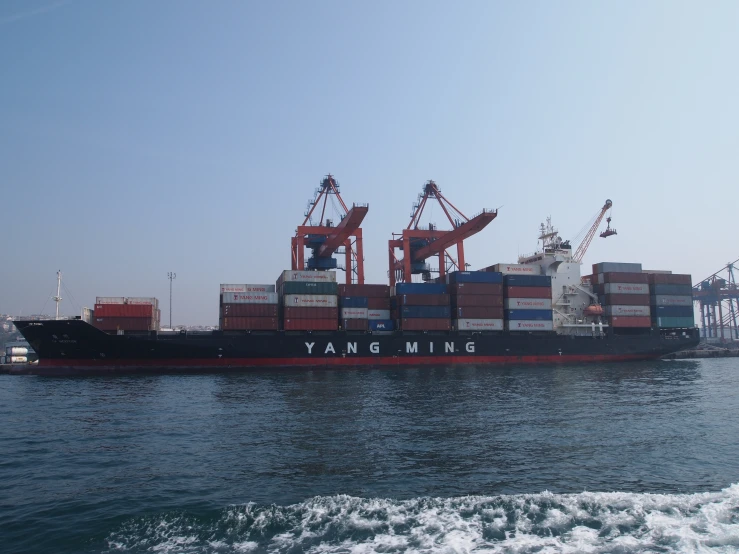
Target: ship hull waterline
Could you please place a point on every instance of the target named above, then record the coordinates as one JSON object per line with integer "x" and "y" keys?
{"x": 68, "y": 347}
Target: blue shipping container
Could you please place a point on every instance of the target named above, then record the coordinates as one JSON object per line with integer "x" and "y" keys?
{"x": 425, "y": 311}
{"x": 420, "y": 288}
{"x": 537, "y": 315}
{"x": 678, "y": 290}
{"x": 474, "y": 277}
{"x": 381, "y": 325}
{"x": 672, "y": 311}
{"x": 353, "y": 301}
{"x": 528, "y": 281}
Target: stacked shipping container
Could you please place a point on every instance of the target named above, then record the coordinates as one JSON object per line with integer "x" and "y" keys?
{"x": 421, "y": 306}
{"x": 671, "y": 300}
{"x": 248, "y": 308}
{"x": 623, "y": 291}
{"x": 309, "y": 300}
{"x": 365, "y": 307}
{"x": 476, "y": 300}
{"x": 118, "y": 313}
{"x": 528, "y": 301}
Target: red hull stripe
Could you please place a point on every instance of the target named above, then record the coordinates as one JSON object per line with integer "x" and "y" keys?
{"x": 234, "y": 363}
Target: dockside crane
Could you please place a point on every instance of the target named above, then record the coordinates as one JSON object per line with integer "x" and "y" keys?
{"x": 418, "y": 245}
{"x": 324, "y": 238}
{"x": 580, "y": 252}
{"x": 718, "y": 301}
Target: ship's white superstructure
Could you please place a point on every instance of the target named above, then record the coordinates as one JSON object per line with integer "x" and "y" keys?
{"x": 572, "y": 297}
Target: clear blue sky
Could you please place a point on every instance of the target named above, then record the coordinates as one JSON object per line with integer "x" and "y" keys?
{"x": 144, "y": 137}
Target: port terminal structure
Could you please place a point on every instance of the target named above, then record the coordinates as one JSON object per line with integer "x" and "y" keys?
{"x": 325, "y": 238}
{"x": 418, "y": 245}
{"x": 717, "y": 297}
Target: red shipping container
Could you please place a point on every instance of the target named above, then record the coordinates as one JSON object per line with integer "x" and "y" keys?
{"x": 123, "y": 323}
{"x": 378, "y": 303}
{"x": 484, "y": 300}
{"x": 476, "y": 288}
{"x": 670, "y": 279}
{"x": 370, "y": 291}
{"x": 311, "y": 324}
{"x": 425, "y": 324}
{"x": 124, "y": 310}
{"x": 249, "y": 310}
{"x": 249, "y": 324}
{"x": 626, "y": 300}
{"x": 630, "y": 321}
{"x": 528, "y": 292}
{"x": 302, "y": 312}
{"x": 355, "y": 324}
{"x": 617, "y": 277}
{"x": 423, "y": 299}
{"x": 478, "y": 312}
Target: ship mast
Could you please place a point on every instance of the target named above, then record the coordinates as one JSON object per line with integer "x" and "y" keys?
{"x": 58, "y": 298}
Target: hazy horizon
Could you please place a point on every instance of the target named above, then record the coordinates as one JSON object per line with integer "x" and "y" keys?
{"x": 141, "y": 138}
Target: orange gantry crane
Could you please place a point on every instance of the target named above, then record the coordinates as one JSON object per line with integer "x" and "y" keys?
{"x": 324, "y": 238}
{"x": 418, "y": 245}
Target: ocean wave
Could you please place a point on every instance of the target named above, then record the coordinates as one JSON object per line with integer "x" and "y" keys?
{"x": 615, "y": 522}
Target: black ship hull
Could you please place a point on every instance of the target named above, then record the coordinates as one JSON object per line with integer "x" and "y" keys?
{"x": 73, "y": 347}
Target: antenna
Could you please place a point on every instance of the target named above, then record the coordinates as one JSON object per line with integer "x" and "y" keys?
{"x": 58, "y": 298}
{"x": 171, "y": 276}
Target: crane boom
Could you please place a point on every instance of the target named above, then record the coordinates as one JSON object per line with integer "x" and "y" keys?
{"x": 343, "y": 231}
{"x": 450, "y": 238}
{"x": 580, "y": 253}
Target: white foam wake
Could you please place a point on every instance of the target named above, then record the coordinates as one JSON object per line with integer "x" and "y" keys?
{"x": 543, "y": 523}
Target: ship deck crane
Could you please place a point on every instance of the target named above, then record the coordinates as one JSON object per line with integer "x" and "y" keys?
{"x": 420, "y": 244}
{"x": 580, "y": 252}
{"x": 324, "y": 238}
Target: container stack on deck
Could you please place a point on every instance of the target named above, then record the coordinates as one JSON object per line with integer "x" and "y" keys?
{"x": 248, "y": 308}
{"x": 528, "y": 301}
{"x": 671, "y": 300}
{"x": 118, "y": 313}
{"x": 477, "y": 300}
{"x": 623, "y": 291}
{"x": 421, "y": 307}
{"x": 309, "y": 300}
{"x": 365, "y": 307}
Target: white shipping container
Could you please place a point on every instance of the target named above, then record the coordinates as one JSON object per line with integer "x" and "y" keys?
{"x": 378, "y": 314}
{"x": 250, "y": 298}
{"x": 142, "y": 301}
{"x": 642, "y": 311}
{"x": 617, "y": 267}
{"x": 87, "y": 315}
{"x": 517, "y": 269}
{"x": 354, "y": 313}
{"x": 110, "y": 300}
{"x": 247, "y": 288}
{"x": 311, "y": 300}
{"x": 529, "y": 325}
{"x": 16, "y": 351}
{"x": 225, "y": 287}
{"x": 668, "y": 300}
{"x": 626, "y": 288}
{"x": 478, "y": 324}
{"x": 18, "y": 360}
{"x": 308, "y": 276}
{"x": 528, "y": 303}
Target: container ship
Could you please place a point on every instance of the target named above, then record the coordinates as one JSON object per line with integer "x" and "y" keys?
{"x": 538, "y": 310}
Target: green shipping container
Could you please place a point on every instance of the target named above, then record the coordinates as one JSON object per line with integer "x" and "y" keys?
{"x": 675, "y": 322}
{"x": 298, "y": 287}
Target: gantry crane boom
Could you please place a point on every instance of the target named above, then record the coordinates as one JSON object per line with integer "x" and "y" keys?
{"x": 580, "y": 252}
{"x": 464, "y": 231}
{"x": 351, "y": 222}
